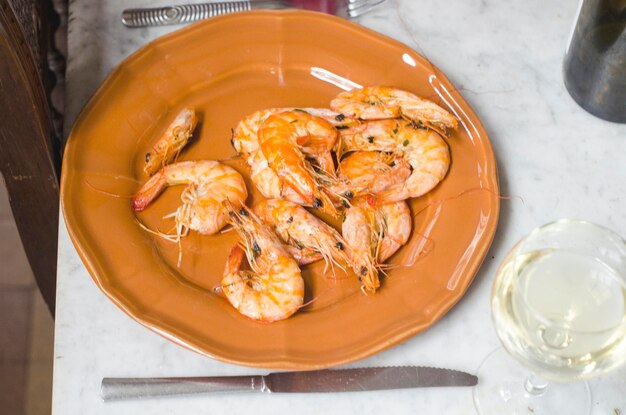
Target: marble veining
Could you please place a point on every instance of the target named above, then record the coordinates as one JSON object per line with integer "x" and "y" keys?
{"x": 559, "y": 161}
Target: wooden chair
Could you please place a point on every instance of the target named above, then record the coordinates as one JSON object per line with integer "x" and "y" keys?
{"x": 30, "y": 130}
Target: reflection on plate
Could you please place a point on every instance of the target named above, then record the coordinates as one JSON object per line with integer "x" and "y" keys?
{"x": 225, "y": 68}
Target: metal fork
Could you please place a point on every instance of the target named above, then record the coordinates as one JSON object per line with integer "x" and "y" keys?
{"x": 188, "y": 13}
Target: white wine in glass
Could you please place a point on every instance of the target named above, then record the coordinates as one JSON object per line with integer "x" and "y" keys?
{"x": 559, "y": 308}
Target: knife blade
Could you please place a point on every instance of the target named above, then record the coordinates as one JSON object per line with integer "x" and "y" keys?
{"x": 315, "y": 381}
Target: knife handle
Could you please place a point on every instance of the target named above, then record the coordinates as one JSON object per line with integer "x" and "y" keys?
{"x": 130, "y": 388}
{"x": 188, "y": 13}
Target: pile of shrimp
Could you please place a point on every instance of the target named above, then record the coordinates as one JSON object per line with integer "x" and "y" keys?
{"x": 359, "y": 160}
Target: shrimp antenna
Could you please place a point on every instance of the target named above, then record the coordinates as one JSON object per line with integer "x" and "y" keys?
{"x": 176, "y": 238}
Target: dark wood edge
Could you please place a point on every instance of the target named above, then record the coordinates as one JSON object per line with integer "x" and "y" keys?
{"x": 29, "y": 161}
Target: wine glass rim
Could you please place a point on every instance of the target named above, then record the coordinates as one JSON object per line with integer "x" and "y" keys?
{"x": 539, "y": 315}
{"x": 577, "y": 221}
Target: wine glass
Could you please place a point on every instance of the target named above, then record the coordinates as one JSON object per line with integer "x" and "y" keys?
{"x": 559, "y": 308}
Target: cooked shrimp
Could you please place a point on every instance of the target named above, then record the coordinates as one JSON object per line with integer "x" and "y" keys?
{"x": 273, "y": 289}
{"x": 210, "y": 183}
{"x": 318, "y": 147}
{"x": 245, "y": 141}
{"x": 267, "y": 181}
{"x": 359, "y": 234}
{"x": 245, "y": 135}
{"x": 376, "y": 103}
{"x": 171, "y": 142}
{"x": 277, "y": 136}
{"x": 373, "y": 234}
{"x": 391, "y": 222}
{"x": 425, "y": 151}
{"x": 396, "y": 228}
{"x": 309, "y": 239}
{"x": 369, "y": 172}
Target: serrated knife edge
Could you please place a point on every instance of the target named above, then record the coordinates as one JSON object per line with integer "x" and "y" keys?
{"x": 366, "y": 378}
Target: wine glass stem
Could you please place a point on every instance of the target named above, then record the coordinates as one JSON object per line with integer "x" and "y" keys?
{"x": 535, "y": 385}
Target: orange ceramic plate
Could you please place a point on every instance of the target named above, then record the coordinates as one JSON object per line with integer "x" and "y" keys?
{"x": 225, "y": 68}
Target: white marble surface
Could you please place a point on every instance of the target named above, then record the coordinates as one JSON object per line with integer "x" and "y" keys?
{"x": 506, "y": 58}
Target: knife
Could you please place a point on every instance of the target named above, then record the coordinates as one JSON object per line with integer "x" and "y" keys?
{"x": 316, "y": 381}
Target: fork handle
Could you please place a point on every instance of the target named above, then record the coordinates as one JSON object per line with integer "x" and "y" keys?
{"x": 188, "y": 13}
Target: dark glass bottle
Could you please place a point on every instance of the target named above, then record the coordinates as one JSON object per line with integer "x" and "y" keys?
{"x": 595, "y": 61}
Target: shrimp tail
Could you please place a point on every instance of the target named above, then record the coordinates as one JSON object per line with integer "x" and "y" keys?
{"x": 149, "y": 191}
{"x": 235, "y": 258}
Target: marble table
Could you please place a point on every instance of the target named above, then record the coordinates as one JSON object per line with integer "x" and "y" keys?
{"x": 506, "y": 58}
